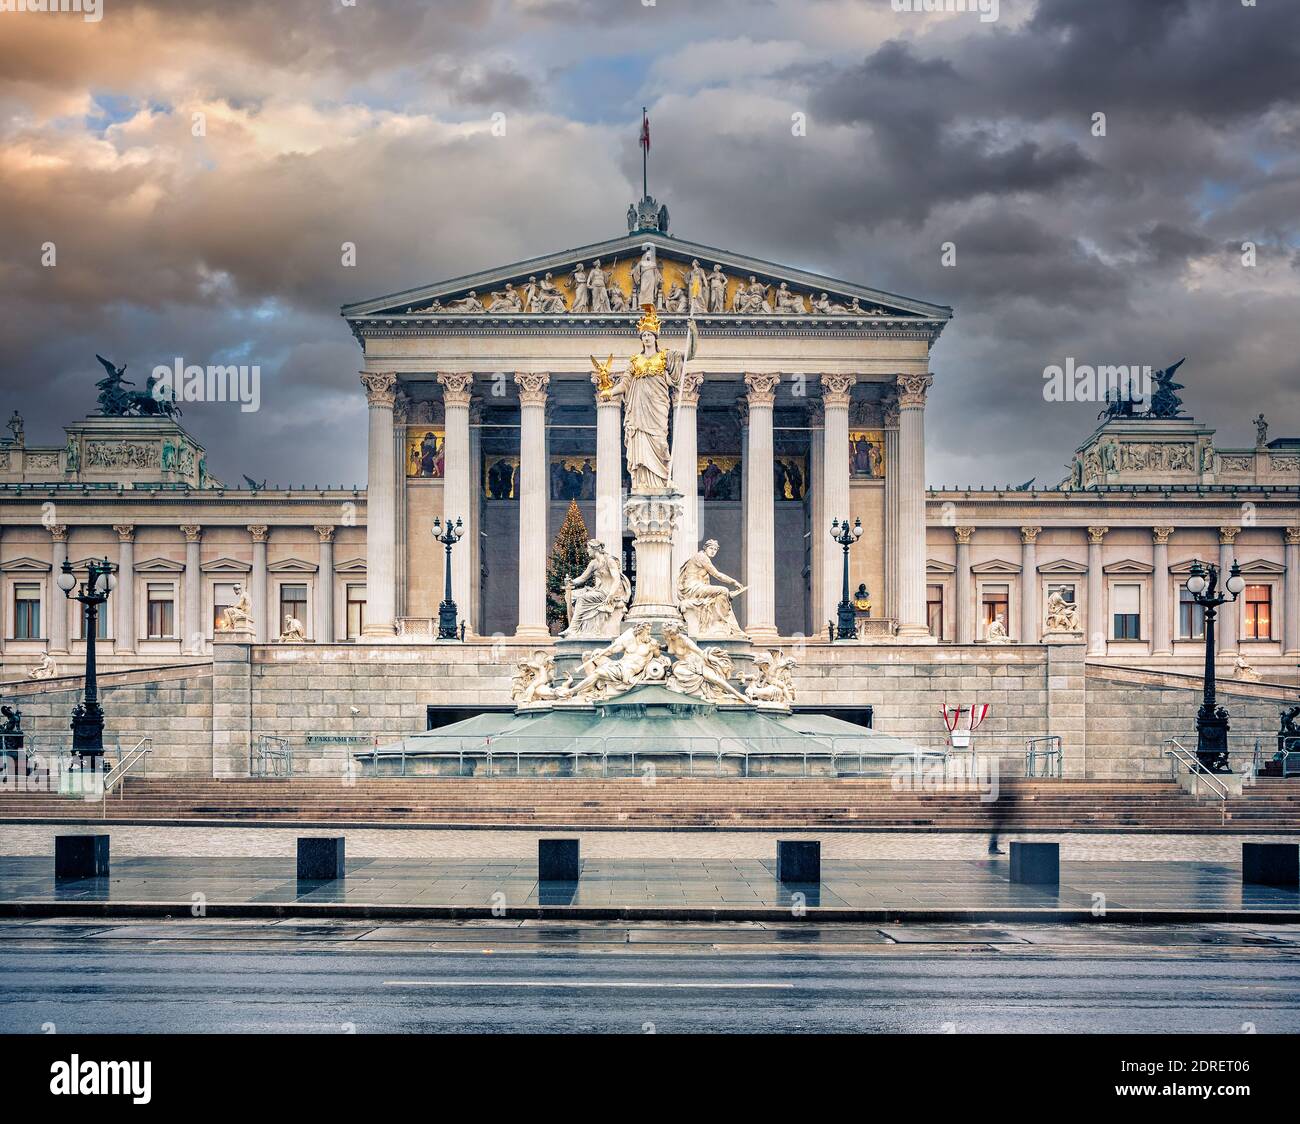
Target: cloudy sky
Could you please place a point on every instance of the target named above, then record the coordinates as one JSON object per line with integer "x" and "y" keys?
{"x": 326, "y": 122}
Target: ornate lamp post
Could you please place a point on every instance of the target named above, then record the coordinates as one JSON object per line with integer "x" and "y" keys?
{"x": 447, "y": 610}
{"x": 87, "y": 717}
{"x": 1212, "y": 720}
{"x": 846, "y": 536}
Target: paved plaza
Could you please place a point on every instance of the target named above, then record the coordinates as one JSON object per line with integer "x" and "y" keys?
{"x": 684, "y": 887}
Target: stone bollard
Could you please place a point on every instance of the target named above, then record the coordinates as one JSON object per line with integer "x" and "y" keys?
{"x": 798, "y": 860}
{"x": 320, "y": 858}
{"x": 80, "y": 856}
{"x": 1270, "y": 864}
{"x": 1036, "y": 863}
{"x": 558, "y": 860}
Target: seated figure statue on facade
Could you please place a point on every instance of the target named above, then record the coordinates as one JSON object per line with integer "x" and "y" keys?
{"x": 701, "y": 673}
{"x": 772, "y": 682}
{"x": 1061, "y": 615}
{"x": 533, "y": 681}
{"x": 597, "y": 597}
{"x": 996, "y": 633}
{"x": 45, "y": 669}
{"x": 705, "y": 606}
{"x": 293, "y": 632}
{"x": 239, "y": 616}
{"x": 644, "y": 388}
{"x": 633, "y": 658}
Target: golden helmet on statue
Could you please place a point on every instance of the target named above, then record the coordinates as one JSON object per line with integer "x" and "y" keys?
{"x": 649, "y": 322}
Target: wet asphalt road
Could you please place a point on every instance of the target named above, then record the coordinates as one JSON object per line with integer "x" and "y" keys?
{"x": 280, "y": 976}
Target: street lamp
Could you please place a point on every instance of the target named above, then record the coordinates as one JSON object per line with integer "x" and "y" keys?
{"x": 1212, "y": 720}
{"x": 87, "y": 717}
{"x": 846, "y": 536}
{"x": 447, "y": 610}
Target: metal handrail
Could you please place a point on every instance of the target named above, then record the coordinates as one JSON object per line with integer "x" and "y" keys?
{"x": 1052, "y": 755}
{"x": 125, "y": 763}
{"x": 1179, "y": 755}
{"x": 274, "y": 757}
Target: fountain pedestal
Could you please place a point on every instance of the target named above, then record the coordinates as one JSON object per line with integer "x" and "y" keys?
{"x": 653, "y": 520}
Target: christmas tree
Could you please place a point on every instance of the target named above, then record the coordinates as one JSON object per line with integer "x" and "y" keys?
{"x": 568, "y": 560}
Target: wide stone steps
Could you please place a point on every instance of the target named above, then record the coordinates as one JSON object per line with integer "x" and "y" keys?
{"x": 673, "y": 802}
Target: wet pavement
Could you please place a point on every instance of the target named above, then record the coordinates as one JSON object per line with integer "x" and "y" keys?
{"x": 681, "y": 884}
{"x": 305, "y": 976}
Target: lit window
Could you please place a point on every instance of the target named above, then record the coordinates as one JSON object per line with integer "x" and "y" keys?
{"x": 1259, "y": 612}
{"x": 223, "y": 596}
{"x": 996, "y": 602}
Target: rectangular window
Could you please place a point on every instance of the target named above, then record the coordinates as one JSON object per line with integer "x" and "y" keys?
{"x": 1259, "y": 612}
{"x": 356, "y": 595}
{"x": 1066, "y": 592}
{"x": 1191, "y": 616}
{"x": 1126, "y": 611}
{"x": 996, "y": 601}
{"x": 27, "y": 611}
{"x": 293, "y": 603}
{"x": 101, "y": 621}
{"x": 223, "y": 596}
{"x": 160, "y": 611}
{"x": 934, "y": 610}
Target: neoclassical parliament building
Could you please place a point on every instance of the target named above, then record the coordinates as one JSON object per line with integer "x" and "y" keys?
{"x": 804, "y": 401}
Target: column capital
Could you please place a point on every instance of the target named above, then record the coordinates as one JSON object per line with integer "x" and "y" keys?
{"x": 1228, "y": 535}
{"x": 381, "y": 388}
{"x": 1292, "y": 535}
{"x": 690, "y": 388}
{"x": 837, "y": 388}
{"x": 58, "y": 532}
{"x": 532, "y": 387}
{"x": 259, "y": 531}
{"x": 325, "y": 532}
{"x": 912, "y": 390}
{"x": 760, "y": 389}
{"x": 1160, "y": 535}
{"x": 1096, "y": 535}
{"x": 193, "y": 532}
{"x": 1029, "y": 535}
{"x": 963, "y": 534}
{"x": 125, "y": 531}
{"x": 457, "y": 387}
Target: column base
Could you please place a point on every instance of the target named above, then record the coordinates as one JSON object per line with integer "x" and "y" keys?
{"x": 533, "y": 632}
{"x": 762, "y": 634}
{"x": 913, "y": 634}
{"x": 379, "y": 632}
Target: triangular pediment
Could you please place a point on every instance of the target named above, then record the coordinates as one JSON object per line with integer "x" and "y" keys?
{"x": 351, "y": 566}
{"x": 226, "y": 566}
{"x": 159, "y": 566}
{"x": 995, "y": 566}
{"x": 1063, "y": 566}
{"x": 26, "y": 565}
{"x": 516, "y": 291}
{"x": 935, "y": 566}
{"x": 1262, "y": 566}
{"x": 292, "y": 566}
{"x": 1128, "y": 566}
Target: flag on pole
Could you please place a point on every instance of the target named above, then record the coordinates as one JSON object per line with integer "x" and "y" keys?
{"x": 645, "y": 130}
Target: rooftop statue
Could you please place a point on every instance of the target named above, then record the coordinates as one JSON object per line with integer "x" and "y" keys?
{"x": 115, "y": 401}
{"x": 1165, "y": 402}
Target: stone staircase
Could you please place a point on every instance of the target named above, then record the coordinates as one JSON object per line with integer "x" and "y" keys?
{"x": 677, "y": 802}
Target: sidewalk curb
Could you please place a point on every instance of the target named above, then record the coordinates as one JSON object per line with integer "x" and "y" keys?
{"x": 812, "y": 914}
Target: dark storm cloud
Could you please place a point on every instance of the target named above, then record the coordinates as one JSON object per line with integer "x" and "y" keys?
{"x": 369, "y": 125}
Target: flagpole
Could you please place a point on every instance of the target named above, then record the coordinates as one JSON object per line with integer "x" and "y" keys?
{"x": 645, "y": 157}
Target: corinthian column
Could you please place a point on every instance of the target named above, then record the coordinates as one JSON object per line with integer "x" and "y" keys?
{"x": 889, "y": 416}
{"x": 609, "y": 473}
{"x": 325, "y": 585}
{"x": 1029, "y": 630}
{"x": 381, "y": 508}
{"x": 685, "y": 467}
{"x": 124, "y": 641}
{"x": 1291, "y": 593}
{"x": 1227, "y": 630}
{"x": 457, "y": 390}
{"x": 836, "y": 391}
{"x": 261, "y": 610}
{"x": 532, "y": 504}
{"x": 1162, "y": 635}
{"x": 964, "y": 607}
{"x": 1096, "y": 608}
{"x": 57, "y": 601}
{"x": 817, "y": 516}
{"x": 760, "y": 514}
{"x": 911, "y": 506}
{"x": 192, "y": 630}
